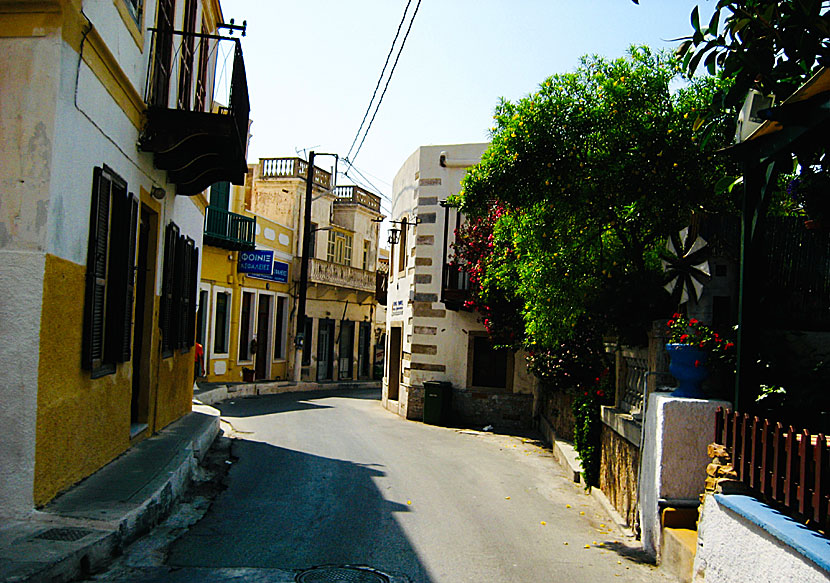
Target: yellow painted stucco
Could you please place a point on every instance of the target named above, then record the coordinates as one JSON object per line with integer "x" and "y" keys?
{"x": 82, "y": 423}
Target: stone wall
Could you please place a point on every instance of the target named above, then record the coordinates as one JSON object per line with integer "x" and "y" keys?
{"x": 556, "y": 411}
{"x": 501, "y": 410}
{"x": 618, "y": 474}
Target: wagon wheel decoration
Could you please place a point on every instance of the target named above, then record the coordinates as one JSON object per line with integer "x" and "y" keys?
{"x": 686, "y": 265}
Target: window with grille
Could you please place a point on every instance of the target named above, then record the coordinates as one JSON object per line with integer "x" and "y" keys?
{"x": 110, "y": 275}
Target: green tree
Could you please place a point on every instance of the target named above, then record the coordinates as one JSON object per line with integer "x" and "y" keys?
{"x": 769, "y": 45}
{"x": 581, "y": 184}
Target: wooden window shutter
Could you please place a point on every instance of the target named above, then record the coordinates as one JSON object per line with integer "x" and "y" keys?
{"x": 193, "y": 289}
{"x": 96, "y": 272}
{"x": 171, "y": 238}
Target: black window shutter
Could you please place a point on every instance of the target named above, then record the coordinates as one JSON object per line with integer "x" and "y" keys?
{"x": 178, "y": 288}
{"x": 116, "y": 283}
{"x": 191, "y": 291}
{"x": 96, "y": 272}
{"x": 127, "y": 272}
{"x": 167, "y": 304}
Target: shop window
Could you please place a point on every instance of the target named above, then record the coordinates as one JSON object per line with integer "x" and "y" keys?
{"x": 221, "y": 321}
{"x": 246, "y": 325}
{"x": 110, "y": 275}
{"x": 280, "y": 329}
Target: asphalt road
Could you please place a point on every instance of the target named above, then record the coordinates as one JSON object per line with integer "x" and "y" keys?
{"x": 334, "y": 479}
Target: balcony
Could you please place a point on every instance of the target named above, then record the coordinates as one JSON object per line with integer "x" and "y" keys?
{"x": 358, "y": 196}
{"x": 229, "y": 230}
{"x": 194, "y": 142}
{"x": 337, "y": 275}
{"x": 274, "y": 168}
{"x": 455, "y": 287}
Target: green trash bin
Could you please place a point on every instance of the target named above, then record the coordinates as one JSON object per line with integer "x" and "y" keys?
{"x": 437, "y": 402}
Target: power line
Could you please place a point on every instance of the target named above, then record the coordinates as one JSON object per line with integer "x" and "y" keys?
{"x": 382, "y": 72}
{"x": 385, "y": 87}
{"x": 366, "y": 180}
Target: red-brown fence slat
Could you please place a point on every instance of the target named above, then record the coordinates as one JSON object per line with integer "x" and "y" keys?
{"x": 822, "y": 456}
{"x": 791, "y": 449}
{"x": 755, "y": 452}
{"x": 804, "y": 499}
{"x": 778, "y": 463}
{"x": 766, "y": 453}
{"x": 743, "y": 475}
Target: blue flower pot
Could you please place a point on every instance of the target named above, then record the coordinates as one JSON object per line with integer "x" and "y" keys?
{"x": 688, "y": 365}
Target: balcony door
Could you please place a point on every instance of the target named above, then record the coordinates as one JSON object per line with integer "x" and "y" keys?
{"x": 325, "y": 350}
{"x": 263, "y": 336}
{"x": 364, "y": 350}
{"x": 163, "y": 54}
{"x": 346, "y": 349}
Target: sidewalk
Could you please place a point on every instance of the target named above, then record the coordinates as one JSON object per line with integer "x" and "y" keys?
{"x": 81, "y": 530}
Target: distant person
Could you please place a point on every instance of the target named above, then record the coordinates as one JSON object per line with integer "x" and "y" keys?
{"x": 199, "y": 369}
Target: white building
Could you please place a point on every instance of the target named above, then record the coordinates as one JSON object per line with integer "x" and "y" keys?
{"x": 430, "y": 337}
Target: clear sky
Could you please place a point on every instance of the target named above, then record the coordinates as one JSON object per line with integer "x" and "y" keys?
{"x": 312, "y": 66}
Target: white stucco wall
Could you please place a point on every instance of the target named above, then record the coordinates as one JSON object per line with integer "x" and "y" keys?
{"x": 418, "y": 187}
{"x": 731, "y": 549}
{"x": 676, "y": 432}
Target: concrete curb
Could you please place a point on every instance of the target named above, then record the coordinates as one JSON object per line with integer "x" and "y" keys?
{"x": 104, "y": 527}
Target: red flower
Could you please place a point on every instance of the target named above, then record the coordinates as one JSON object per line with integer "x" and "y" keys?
{"x": 600, "y": 393}
{"x": 697, "y": 363}
{"x": 670, "y": 323}
{"x": 728, "y": 345}
{"x": 586, "y": 393}
{"x": 702, "y": 344}
{"x": 684, "y": 337}
{"x": 694, "y": 322}
{"x": 716, "y": 336}
{"x": 677, "y": 315}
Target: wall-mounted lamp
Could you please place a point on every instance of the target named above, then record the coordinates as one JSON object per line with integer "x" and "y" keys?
{"x": 157, "y": 192}
{"x": 393, "y": 236}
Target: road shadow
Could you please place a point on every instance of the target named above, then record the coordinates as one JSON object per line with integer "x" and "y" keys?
{"x": 285, "y": 402}
{"x": 633, "y": 554}
{"x": 286, "y": 509}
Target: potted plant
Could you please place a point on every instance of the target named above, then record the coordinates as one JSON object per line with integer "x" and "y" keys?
{"x": 692, "y": 347}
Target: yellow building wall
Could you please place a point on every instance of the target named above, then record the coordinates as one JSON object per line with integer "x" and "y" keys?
{"x": 219, "y": 270}
{"x": 82, "y": 423}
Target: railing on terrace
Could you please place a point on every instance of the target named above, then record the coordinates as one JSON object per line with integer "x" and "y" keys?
{"x": 293, "y": 168}
{"x": 632, "y": 379}
{"x": 356, "y": 195}
{"x": 788, "y": 468}
{"x": 229, "y": 230}
{"x": 338, "y": 275}
{"x": 455, "y": 286}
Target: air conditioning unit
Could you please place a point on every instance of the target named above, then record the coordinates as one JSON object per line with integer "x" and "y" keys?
{"x": 748, "y": 120}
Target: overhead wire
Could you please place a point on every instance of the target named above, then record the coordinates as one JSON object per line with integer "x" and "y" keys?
{"x": 385, "y": 87}
{"x": 380, "y": 78}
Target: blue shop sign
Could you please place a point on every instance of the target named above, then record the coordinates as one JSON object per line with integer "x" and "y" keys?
{"x": 256, "y": 262}
{"x": 280, "y": 273}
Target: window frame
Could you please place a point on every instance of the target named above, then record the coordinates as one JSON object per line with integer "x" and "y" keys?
{"x": 110, "y": 274}
{"x": 246, "y": 342}
{"x": 214, "y": 298}
{"x": 509, "y": 365}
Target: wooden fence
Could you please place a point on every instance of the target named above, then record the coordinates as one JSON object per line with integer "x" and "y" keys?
{"x": 788, "y": 468}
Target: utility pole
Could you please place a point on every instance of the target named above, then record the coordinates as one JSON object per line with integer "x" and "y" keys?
{"x": 299, "y": 337}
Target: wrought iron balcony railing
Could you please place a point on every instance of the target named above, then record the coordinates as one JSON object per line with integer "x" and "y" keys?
{"x": 455, "y": 286}
{"x": 229, "y": 230}
{"x": 194, "y": 140}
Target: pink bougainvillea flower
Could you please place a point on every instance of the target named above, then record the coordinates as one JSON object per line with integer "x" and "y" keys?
{"x": 697, "y": 363}
{"x": 694, "y": 322}
{"x": 670, "y": 323}
{"x": 728, "y": 345}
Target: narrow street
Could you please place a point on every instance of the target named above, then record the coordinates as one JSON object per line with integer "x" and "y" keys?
{"x": 334, "y": 479}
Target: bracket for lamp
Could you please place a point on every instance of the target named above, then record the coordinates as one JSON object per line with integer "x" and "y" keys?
{"x": 393, "y": 232}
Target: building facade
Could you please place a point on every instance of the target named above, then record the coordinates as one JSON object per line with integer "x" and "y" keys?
{"x": 108, "y": 139}
{"x": 430, "y": 336}
{"x": 244, "y": 293}
{"x": 340, "y": 331}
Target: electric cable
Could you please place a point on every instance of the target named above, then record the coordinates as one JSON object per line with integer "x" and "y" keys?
{"x": 382, "y": 72}
{"x": 385, "y": 87}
